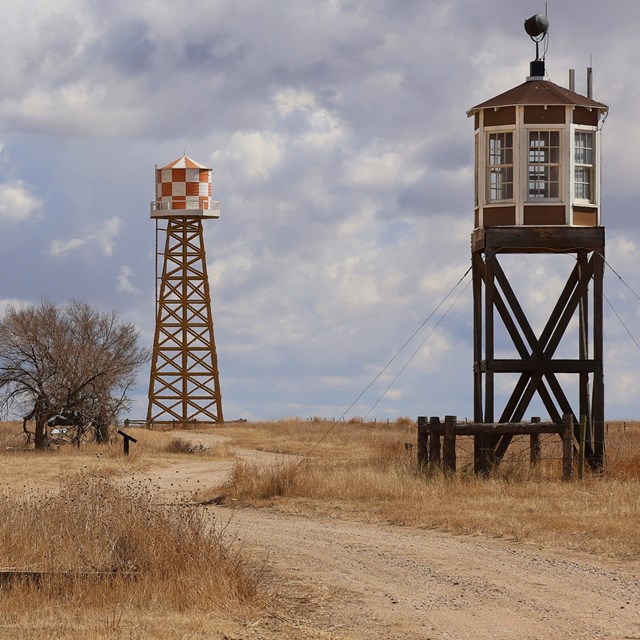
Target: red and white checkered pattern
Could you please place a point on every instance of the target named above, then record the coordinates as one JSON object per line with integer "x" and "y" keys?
{"x": 183, "y": 184}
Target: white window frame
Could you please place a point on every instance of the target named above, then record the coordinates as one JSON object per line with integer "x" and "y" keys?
{"x": 559, "y": 164}
{"x": 488, "y": 200}
{"x": 593, "y": 166}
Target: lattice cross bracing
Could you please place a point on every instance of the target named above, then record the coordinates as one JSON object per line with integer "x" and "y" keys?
{"x": 184, "y": 384}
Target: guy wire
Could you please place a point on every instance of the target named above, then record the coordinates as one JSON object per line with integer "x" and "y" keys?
{"x": 386, "y": 366}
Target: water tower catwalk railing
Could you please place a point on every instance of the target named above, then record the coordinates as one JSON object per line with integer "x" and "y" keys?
{"x": 202, "y": 203}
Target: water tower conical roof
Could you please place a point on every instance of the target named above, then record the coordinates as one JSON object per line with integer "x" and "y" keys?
{"x": 185, "y": 162}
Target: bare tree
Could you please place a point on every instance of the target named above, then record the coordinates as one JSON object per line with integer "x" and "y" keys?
{"x": 70, "y": 360}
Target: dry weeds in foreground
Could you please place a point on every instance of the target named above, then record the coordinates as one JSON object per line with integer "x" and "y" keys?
{"x": 220, "y": 592}
{"x": 366, "y": 470}
{"x": 125, "y": 567}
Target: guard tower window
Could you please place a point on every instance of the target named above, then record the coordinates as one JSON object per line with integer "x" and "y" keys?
{"x": 500, "y": 166}
{"x": 544, "y": 165}
{"x": 476, "y": 186}
{"x": 584, "y": 165}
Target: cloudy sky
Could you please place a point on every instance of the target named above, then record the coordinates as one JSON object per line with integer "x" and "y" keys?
{"x": 343, "y": 160}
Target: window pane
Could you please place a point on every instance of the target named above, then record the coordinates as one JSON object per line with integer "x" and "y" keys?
{"x": 544, "y": 164}
{"x": 584, "y": 164}
{"x": 501, "y": 183}
{"x": 500, "y": 166}
{"x": 476, "y": 186}
{"x": 508, "y": 156}
{"x": 583, "y": 183}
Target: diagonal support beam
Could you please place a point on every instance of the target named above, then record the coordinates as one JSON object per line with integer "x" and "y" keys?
{"x": 539, "y": 370}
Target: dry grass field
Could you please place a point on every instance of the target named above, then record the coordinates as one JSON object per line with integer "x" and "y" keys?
{"x": 38, "y": 470}
{"x": 88, "y": 548}
{"x": 365, "y": 470}
{"x": 106, "y": 552}
{"x": 111, "y": 556}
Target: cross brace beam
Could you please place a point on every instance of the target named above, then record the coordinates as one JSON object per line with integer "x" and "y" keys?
{"x": 538, "y": 368}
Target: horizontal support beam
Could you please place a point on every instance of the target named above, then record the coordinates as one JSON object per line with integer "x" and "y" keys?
{"x": 534, "y": 365}
{"x": 510, "y": 428}
{"x": 521, "y": 239}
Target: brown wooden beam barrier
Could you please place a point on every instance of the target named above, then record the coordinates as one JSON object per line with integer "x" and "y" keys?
{"x": 535, "y": 452}
{"x": 567, "y": 447}
{"x": 504, "y": 365}
{"x": 423, "y": 442}
{"x": 478, "y": 279}
{"x": 597, "y": 461}
{"x": 500, "y": 428}
{"x": 449, "y": 445}
{"x": 435, "y": 448}
{"x": 443, "y": 454}
{"x": 530, "y": 239}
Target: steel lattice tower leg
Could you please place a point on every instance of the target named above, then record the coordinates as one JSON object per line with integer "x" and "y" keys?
{"x": 184, "y": 384}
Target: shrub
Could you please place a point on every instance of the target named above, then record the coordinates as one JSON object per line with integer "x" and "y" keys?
{"x": 95, "y": 527}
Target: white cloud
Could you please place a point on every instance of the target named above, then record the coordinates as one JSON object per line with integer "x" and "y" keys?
{"x": 16, "y": 303}
{"x": 125, "y": 284}
{"x": 289, "y": 100}
{"x": 106, "y": 235}
{"x": 17, "y": 202}
{"x": 374, "y": 169}
{"x": 60, "y": 247}
{"x": 101, "y": 238}
{"x": 323, "y": 130}
{"x": 255, "y": 153}
{"x": 624, "y": 387}
{"x": 343, "y": 159}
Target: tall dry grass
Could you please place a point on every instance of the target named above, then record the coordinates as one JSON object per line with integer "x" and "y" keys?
{"x": 320, "y": 438}
{"x": 366, "y": 470}
{"x": 113, "y": 551}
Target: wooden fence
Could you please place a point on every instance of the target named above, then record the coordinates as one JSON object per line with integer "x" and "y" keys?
{"x": 437, "y": 440}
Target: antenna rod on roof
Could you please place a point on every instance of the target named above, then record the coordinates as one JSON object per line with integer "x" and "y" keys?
{"x": 590, "y": 80}
{"x": 572, "y": 79}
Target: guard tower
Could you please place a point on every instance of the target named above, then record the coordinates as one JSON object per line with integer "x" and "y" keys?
{"x": 537, "y": 191}
{"x": 184, "y": 383}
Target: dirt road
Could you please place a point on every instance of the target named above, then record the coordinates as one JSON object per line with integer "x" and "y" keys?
{"x": 387, "y": 582}
{"x": 349, "y": 579}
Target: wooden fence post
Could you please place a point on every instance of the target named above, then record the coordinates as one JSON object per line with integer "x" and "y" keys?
{"x": 535, "y": 451}
{"x": 434, "y": 442}
{"x": 449, "y": 446}
{"x": 126, "y": 439}
{"x": 582, "y": 446}
{"x": 423, "y": 442}
{"x": 567, "y": 447}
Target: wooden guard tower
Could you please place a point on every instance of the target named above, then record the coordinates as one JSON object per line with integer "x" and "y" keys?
{"x": 537, "y": 191}
{"x": 184, "y": 384}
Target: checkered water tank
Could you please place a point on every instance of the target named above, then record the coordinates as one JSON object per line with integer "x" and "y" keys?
{"x": 184, "y": 188}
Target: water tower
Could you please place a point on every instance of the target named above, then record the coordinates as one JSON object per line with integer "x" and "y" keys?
{"x": 537, "y": 191}
{"x": 184, "y": 384}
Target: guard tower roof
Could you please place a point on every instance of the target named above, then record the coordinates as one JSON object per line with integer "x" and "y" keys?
{"x": 538, "y": 93}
